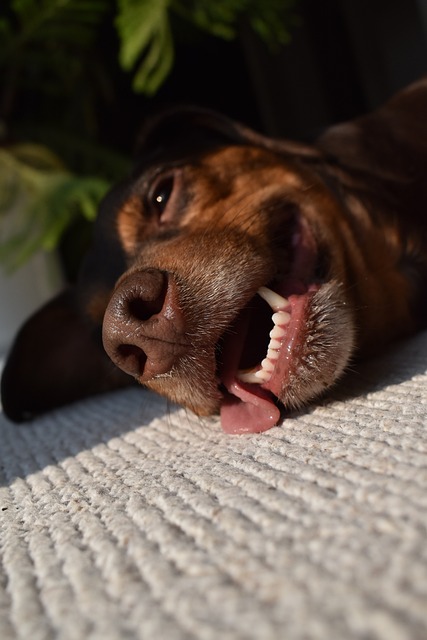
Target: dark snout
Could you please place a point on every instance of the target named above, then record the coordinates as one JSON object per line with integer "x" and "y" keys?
{"x": 144, "y": 330}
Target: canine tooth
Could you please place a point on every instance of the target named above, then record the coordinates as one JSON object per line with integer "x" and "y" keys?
{"x": 281, "y": 318}
{"x": 267, "y": 365}
{"x": 277, "y": 332}
{"x": 249, "y": 376}
{"x": 263, "y": 375}
{"x": 276, "y": 301}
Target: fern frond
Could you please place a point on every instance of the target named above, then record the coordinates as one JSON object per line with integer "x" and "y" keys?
{"x": 146, "y": 41}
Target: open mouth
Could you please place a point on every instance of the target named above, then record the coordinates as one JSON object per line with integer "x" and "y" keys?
{"x": 261, "y": 350}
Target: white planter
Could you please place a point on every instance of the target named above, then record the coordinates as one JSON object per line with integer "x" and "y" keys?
{"x": 24, "y": 291}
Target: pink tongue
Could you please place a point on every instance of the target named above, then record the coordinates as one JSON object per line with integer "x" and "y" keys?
{"x": 246, "y": 408}
{"x": 247, "y": 412}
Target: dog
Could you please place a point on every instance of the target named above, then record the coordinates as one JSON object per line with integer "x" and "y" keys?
{"x": 235, "y": 273}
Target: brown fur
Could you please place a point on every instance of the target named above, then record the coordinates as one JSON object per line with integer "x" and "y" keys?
{"x": 361, "y": 195}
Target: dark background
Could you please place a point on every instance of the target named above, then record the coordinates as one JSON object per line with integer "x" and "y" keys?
{"x": 345, "y": 57}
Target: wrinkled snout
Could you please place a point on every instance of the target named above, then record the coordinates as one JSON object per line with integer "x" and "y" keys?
{"x": 143, "y": 329}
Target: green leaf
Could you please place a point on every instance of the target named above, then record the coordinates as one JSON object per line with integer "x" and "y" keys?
{"x": 218, "y": 18}
{"x": 38, "y": 201}
{"x": 138, "y": 22}
{"x": 270, "y": 18}
{"x": 157, "y": 62}
{"x": 145, "y": 36}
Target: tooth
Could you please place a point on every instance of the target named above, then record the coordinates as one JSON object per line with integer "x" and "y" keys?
{"x": 277, "y": 332}
{"x": 263, "y": 375}
{"x": 267, "y": 365}
{"x": 249, "y": 376}
{"x": 281, "y": 318}
{"x": 272, "y": 354}
{"x": 274, "y": 344}
{"x": 272, "y": 298}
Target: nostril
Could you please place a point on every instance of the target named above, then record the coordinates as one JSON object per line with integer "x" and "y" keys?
{"x": 142, "y": 310}
{"x": 145, "y": 296}
{"x": 132, "y": 359}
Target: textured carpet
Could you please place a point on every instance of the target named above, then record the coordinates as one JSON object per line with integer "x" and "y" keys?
{"x": 123, "y": 517}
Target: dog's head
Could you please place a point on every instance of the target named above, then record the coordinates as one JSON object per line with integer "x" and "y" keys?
{"x": 229, "y": 272}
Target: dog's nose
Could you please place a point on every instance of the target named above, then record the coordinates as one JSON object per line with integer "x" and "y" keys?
{"x": 143, "y": 329}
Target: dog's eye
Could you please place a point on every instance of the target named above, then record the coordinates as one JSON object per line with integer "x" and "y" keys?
{"x": 160, "y": 193}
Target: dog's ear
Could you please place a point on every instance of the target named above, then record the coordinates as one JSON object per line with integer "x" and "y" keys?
{"x": 57, "y": 358}
{"x": 192, "y": 129}
{"x": 388, "y": 143}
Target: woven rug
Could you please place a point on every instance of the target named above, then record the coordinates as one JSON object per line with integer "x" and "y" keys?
{"x": 125, "y": 517}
